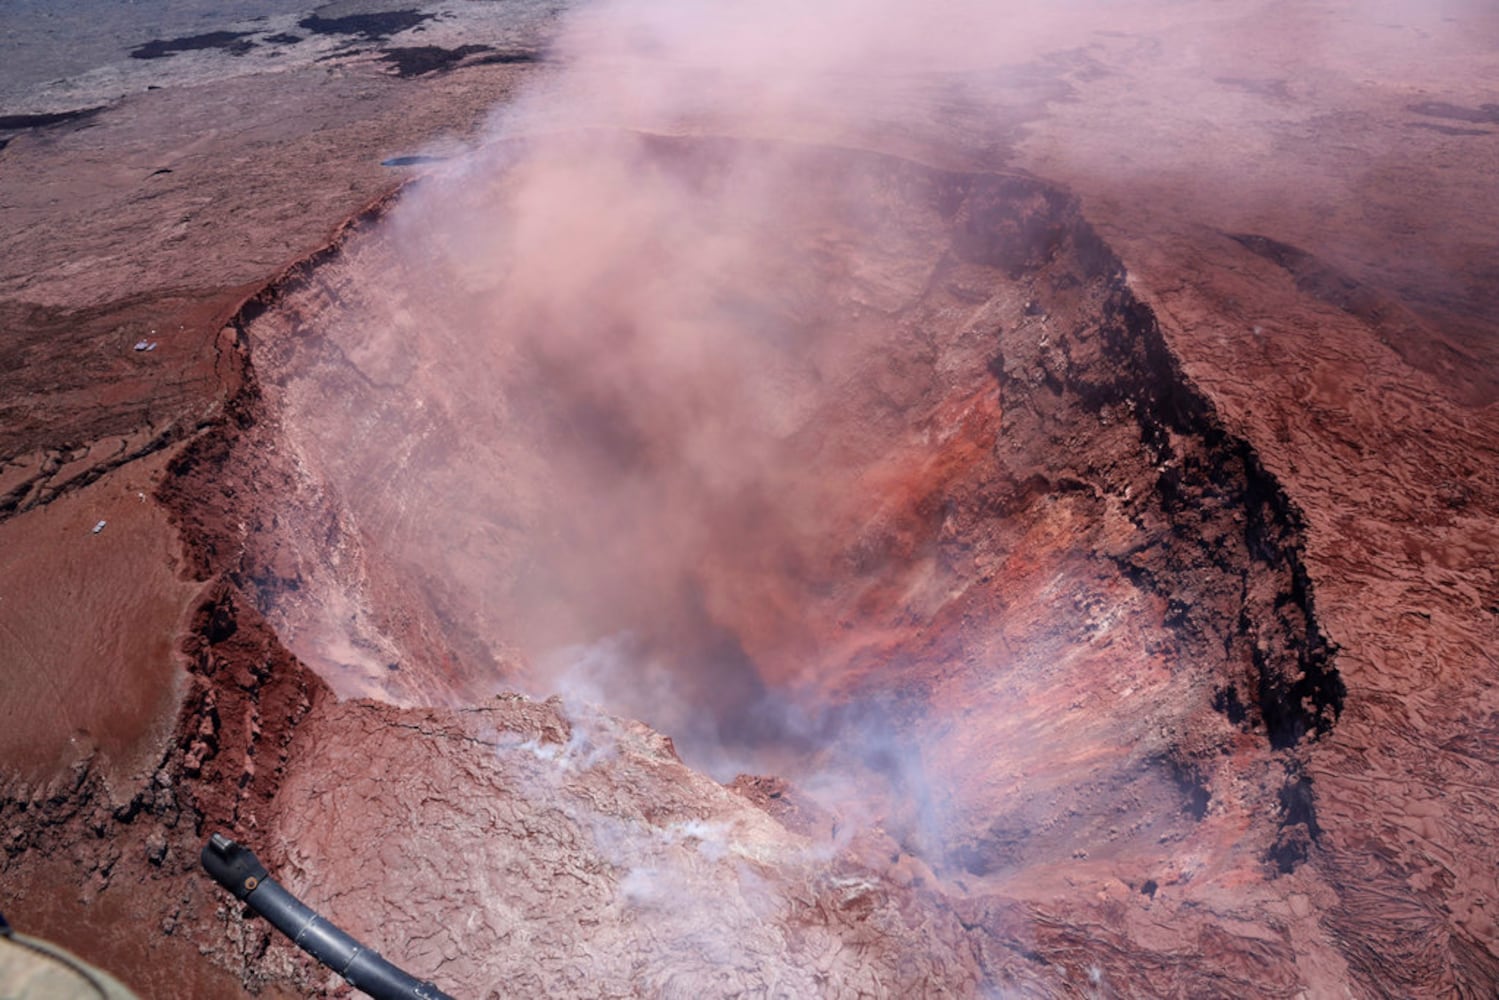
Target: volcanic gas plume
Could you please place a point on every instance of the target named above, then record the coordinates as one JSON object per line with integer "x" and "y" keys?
{"x": 826, "y": 462}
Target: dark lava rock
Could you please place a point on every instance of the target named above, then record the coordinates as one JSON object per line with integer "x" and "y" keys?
{"x": 419, "y": 60}
{"x": 371, "y": 27}
{"x": 236, "y": 43}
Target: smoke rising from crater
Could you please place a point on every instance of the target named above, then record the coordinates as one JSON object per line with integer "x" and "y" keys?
{"x": 679, "y": 395}
{"x": 700, "y": 384}
{"x": 700, "y": 379}
{"x": 672, "y": 415}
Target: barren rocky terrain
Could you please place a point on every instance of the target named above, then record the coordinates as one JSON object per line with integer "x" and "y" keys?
{"x": 910, "y": 503}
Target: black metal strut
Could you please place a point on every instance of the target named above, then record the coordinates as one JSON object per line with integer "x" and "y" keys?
{"x": 236, "y": 868}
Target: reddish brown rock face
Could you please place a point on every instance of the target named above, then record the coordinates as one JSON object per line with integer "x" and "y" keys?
{"x": 1065, "y": 582}
{"x": 936, "y": 526}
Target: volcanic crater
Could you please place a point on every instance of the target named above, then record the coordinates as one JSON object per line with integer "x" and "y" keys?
{"x": 898, "y": 484}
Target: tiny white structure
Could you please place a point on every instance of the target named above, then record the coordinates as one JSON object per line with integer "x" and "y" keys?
{"x": 100, "y": 526}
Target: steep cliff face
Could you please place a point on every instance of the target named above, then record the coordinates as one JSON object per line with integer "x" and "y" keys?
{"x": 1388, "y": 468}
{"x": 1167, "y": 512}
